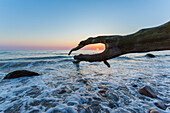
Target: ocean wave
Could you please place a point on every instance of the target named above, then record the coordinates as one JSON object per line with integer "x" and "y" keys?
{"x": 124, "y": 58}
{"x": 66, "y": 60}
{"x": 24, "y": 64}
{"x": 4, "y": 52}
{"x": 37, "y": 58}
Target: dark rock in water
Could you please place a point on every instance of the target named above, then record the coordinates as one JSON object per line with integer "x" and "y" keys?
{"x": 153, "y": 111}
{"x": 160, "y": 105}
{"x": 148, "y": 91}
{"x": 134, "y": 85}
{"x": 72, "y": 103}
{"x": 164, "y": 75}
{"x": 59, "y": 91}
{"x": 102, "y": 92}
{"x": 20, "y": 73}
{"x": 82, "y": 80}
{"x": 150, "y": 55}
{"x": 97, "y": 98}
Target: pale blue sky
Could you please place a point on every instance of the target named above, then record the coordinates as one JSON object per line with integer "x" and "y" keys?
{"x": 62, "y": 23}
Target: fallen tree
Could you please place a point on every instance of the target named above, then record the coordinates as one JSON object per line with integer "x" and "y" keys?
{"x": 145, "y": 40}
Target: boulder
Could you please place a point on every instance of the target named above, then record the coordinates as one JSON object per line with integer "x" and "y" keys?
{"x": 148, "y": 91}
{"x": 150, "y": 55}
{"x": 20, "y": 73}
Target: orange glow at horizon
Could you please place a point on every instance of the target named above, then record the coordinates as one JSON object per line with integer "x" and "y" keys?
{"x": 94, "y": 47}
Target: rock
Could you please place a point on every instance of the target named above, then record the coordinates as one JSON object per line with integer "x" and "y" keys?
{"x": 153, "y": 111}
{"x": 59, "y": 91}
{"x": 150, "y": 55}
{"x": 82, "y": 80}
{"x": 160, "y": 105}
{"x": 148, "y": 91}
{"x": 20, "y": 73}
{"x": 164, "y": 75}
{"x": 97, "y": 98}
{"x": 72, "y": 103}
{"x": 134, "y": 85}
{"x": 102, "y": 92}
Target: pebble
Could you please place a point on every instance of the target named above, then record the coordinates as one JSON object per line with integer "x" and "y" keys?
{"x": 72, "y": 103}
{"x": 134, "y": 85}
{"x": 153, "y": 111}
{"x": 84, "y": 81}
{"x": 164, "y": 75}
{"x": 148, "y": 91}
{"x": 59, "y": 91}
{"x": 102, "y": 92}
{"x": 160, "y": 105}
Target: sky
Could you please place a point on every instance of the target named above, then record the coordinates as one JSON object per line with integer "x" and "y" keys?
{"x": 62, "y": 24}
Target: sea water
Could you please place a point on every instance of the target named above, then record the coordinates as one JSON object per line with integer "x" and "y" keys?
{"x": 66, "y": 87}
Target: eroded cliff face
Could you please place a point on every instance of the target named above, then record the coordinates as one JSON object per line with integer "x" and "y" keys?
{"x": 145, "y": 40}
